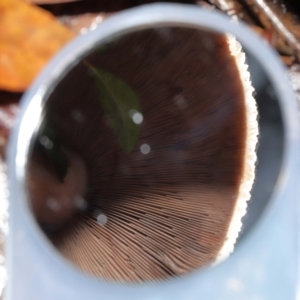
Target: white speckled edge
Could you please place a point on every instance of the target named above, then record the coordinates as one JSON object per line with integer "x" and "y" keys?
{"x": 250, "y": 151}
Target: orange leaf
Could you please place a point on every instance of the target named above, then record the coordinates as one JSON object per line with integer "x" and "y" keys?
{"x": 29, "y": 37}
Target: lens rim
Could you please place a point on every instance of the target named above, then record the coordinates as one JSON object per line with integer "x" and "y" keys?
{"x": 22, "y": 223}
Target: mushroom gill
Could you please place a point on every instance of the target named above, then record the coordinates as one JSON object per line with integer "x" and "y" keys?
{"x": 175, "y": 202}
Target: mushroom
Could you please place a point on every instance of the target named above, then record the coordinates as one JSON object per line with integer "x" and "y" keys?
{"x": 174, "y": 203}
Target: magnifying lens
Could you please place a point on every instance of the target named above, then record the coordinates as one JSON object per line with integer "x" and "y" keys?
{"x": 149, "y": 151}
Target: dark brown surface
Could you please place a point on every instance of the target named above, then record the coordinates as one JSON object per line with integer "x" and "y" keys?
{"x": 106, "y": 6}
{"x": 168, "y": 211}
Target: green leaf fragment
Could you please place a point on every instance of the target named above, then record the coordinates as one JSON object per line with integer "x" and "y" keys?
{"x": 121, "y": 106}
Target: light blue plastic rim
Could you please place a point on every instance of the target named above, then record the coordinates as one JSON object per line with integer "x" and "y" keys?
{"x": 119, "y": 24}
